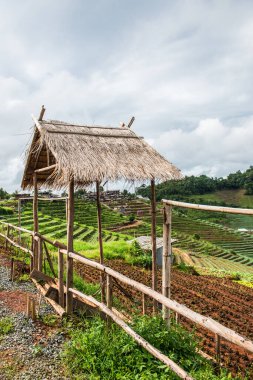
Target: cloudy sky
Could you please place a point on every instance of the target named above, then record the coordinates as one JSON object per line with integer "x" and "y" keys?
{"x": 184, "y": 69}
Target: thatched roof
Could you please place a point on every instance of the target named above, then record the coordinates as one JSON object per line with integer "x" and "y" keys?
{"x": 91, "y": 153}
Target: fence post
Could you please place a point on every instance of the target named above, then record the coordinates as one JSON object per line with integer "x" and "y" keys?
{"x": 32, "y": 257}
{"x": 35, "y": 219}
{"x": 109, "y": 300}
{"x": 7, "y": 234}
{"x": 60, "y": 278}
{"x": 70, "y": 229}
{"x": 153, "y": 241}
{"x": 217, "y": 350}
{"x": 19, "y": 220}
{"x": 40, "y": 254}
{"x": 144, "y": 303}
{"x": 167, "y": 256}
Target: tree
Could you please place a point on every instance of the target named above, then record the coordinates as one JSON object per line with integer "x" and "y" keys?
{"x": 248, "y": 185}
{"x": 4, "y": 194}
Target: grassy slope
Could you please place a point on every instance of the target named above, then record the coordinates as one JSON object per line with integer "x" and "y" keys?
{"x": 230, "y": 197}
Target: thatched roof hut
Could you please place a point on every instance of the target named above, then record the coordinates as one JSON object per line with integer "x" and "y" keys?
{"x": 91, "y": 153}
{"x": 70, "y": 155}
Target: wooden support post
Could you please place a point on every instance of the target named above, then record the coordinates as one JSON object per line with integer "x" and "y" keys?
{"x": 109, "y": 300}
{"x": 43, "y": 109}
{"x": 217, "y": 350}
{"x": 100, "y": 240}
{"x": 144, "y": 303}
{"x": 35, "y": 220}
{"x": 167, "y": 259}
{"x": 32, "y": 257}
{"x": 12, "y": 270}
{"x": 19, "y": 221}
{"x": 60, "y": 278}
{"x": 70, "y": 230}
{"x": 40, "y": 254}
{"x": 49, "y": 260}
{"x": 67, "y": 210}
{"x": 30, "y": 308}
{"x": 7, "y": 234}
{"x": 153, "y": 241}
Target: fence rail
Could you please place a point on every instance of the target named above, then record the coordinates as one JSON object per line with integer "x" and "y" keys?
{"x": 229, "y": 210}
{"x": 168, "y": 304}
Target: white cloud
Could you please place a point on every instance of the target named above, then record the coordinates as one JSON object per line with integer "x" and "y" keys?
{"x": 173, "y": 65}
{"x": 11, "y": 172}
{"x": 211, "y": 148}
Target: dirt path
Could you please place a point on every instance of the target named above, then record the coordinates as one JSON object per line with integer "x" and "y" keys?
{"x": 130, "y": 225}
{"x": 30, "y": 350}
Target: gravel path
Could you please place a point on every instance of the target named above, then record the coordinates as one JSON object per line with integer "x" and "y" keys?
{"x": 31, "y": 350}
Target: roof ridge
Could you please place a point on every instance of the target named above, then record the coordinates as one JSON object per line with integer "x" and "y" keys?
{"x": 70, "y": 124}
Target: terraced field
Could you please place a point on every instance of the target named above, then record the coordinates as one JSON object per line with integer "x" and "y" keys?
{"x": 199, "y": 237}
{"x": 208, "y": 244}
{"x": 85, "y": 213}
{"x": 56, "y": 228}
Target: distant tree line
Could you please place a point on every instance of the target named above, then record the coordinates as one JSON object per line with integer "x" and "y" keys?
{"x": 4, "y": 194}
{"x": 194, "y": 185}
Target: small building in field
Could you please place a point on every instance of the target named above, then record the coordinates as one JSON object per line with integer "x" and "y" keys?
{"x": 146, "y": 244}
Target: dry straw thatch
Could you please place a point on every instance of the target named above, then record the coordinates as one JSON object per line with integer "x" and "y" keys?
{"x": 92, "y": 153}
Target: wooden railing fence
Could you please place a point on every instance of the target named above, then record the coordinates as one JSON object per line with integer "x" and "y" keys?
{"x": 167, "y": 253}
{"x": 38, "y": 249}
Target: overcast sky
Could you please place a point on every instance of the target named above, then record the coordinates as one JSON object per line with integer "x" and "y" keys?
{"x": 184, "y": 69}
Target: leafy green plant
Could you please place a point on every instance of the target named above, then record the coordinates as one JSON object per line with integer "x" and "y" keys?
{"x": 50, "y": 319}
{"x": 24, "y": 277}
{"x": 36, "y": 350}
{"x": 94, "y": 351}
{"x": 6, "y": 326}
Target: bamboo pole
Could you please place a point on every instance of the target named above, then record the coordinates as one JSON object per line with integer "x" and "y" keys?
{"x": 49, "y": 259}
{"x": 40, "y": 254}
{"x": 35, "y": 219}
{"x": 12, "y": 242}
{"x": 70, "y": 229}
{"x": 67, "y": 210}
{"x": 7, "y": 234}
{"x": 230, "y": 210}
{"x": 60, "y": 278}
{"x": 19, "y": 220}
{"x": 109, "y": 291}
{"x": 47, "y": 168}
{"x": 218, "y": 350}
{"x": 153, "y": 241}
{"x": 167, "y": 256}
{"x": 144, "y": 304}
{"x": 100, "y": 240}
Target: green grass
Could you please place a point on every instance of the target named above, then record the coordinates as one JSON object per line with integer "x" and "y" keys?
{"x": 94, "y": 350}
{"x": 6, "y": 326}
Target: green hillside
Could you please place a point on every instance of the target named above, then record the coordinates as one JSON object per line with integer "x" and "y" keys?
{"x": 205, "y": 241}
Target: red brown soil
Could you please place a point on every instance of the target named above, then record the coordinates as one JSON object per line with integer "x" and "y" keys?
{"x": 126, "y": 226}
{"x": 15, "y": 300}
{"x": 227, "y": 302}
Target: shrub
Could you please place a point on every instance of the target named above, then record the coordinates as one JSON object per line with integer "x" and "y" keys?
{"x": 131, "y": 218}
